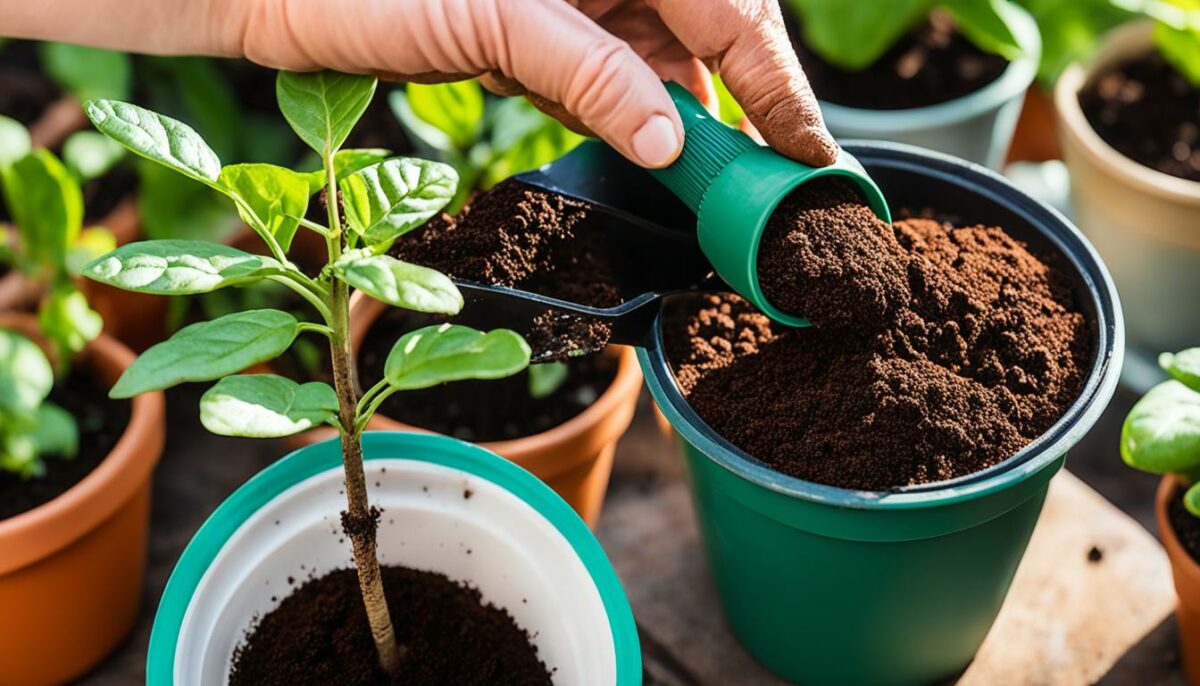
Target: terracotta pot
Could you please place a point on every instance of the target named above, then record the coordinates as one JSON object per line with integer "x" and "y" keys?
{"x": 71, "y": 570}
{"x": 1142, "y": 222}
{"x": 1036, "y": 137}
{"x": 574, "y": 458}
{"x": 1186, "y": 571}
{"x": 61, "y": 118}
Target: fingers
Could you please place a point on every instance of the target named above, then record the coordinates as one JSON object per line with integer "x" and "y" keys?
{"x": 747, "y": 42}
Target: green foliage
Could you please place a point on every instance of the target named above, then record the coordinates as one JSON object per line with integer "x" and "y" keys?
{"x": 14, "y": 142}
{"x": 179, "y": 267}
{"x": 853, "y": 35}
{"x": 437, "y": 354}
{"x": 399, "y": 283}
{"x": 89, "y": 155}
{"x": 1161, "y": 434}
{"x": 323, "y": 107}
{"x": 1177, "y": 34}
{"x": 266, "y": 406}
{"x": 157, "y": 138}
{"x": 545, "y": 379}
{"x": 30, "y": 426}
{"x": 270, "y": 199}
{"x": 391, "y": 198}
{"x": 87, "y": 73}
{"x": 729, "y": 109}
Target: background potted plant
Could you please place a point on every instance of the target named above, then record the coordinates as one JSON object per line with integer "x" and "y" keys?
{"x": 1127, "y": 122}
{"x": 382, "y": 200}
{"x": 1161, "y": 435}
{"x": 75, "y": 472}
{"x": 949, "y": 76}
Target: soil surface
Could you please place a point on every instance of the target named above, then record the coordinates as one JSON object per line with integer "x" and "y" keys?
{"x": 319, "y": 635}
{"x": 1149, "y": 112}
{"x": 932, "y": 63}
{"x": 24, "y": 91}
{"x": 495, "y": 410}
{"x": 1185, "y": 524}
{"x": 101, "y": 421}
{"x": 944, "y": 354}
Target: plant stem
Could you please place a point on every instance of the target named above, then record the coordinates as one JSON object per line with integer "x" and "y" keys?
{"x": 359, "y": 521}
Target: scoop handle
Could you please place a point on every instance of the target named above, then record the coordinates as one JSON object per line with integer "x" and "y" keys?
{"x": 708, "y": 147}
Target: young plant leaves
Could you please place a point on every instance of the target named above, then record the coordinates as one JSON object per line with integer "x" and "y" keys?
{"x": 88, "y": 73}
{"x": 455, "y": 108}
{"x": 179, "y": 267}
{"x": 438, "y": 354}
{"x": 156, "y": 137}
{"x": 91, "y": 244}
{"x": 25, "y": 373}
{"x": 209, "y": 350}
{"x": 14, "y": 142}
{"x": 345, "y": 163}
{"x": 1162, "y": 432}
{"x": 90, "y": 155}
{"x": 322, "y": 107}
{"x": 272, "y": 198}
{"x": 46, "y": 204}
{"x": 66, "y": 319}
{"x": 266, "y": 406}
{"x": 984, "y": 23}
{"x": 1183, "y": 366}
{"x": 545, "y": 379}
{"x": 387, "y": 200}
{"x": 398, "y": 283}
{"x": 851, "y": 36}
{"x": 56, "y": 432}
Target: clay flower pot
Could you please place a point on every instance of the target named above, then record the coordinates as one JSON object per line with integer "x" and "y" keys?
{"x": 1036, "y": 136}
{"x": 976, "y": 127}
{"x": 1186, "y": 571}
{"x": 530, "y": 554}
{"x": 827, "y": 585}
{"x": 71, "y": 570}
{"x": 1142, "y": 221}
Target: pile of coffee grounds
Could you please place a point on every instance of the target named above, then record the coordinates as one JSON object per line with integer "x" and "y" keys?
{"x": 101, "y": 422}
{"x": 1147, "y": 111}
{"x": 320, "y": 635}
{"x": 932, "y": 63}
{"x": 1185, "y": 524}
{"x": 493, "y": 410}
{"x": 946, "y": 354}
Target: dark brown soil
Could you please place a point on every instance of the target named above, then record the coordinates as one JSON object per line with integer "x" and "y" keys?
{"x": 493, "y": 410}
{"x": 24, "y": 91}
{"x": 1185, "y": 524}
{"x": 319, "y": 635}
{"x": 933, "y": 63}
{"x": 1149, "y": 112}
{"x": 101, "y": 421}
{"x": 945, "y": 355}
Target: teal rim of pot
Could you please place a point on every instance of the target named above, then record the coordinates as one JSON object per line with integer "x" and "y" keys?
{"x": 1015, "y": 79}
{"x": 441, "y": 450}
{"x": 1099, "y": 385}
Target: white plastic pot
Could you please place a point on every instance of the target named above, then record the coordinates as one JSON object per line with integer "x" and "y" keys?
{"x": 530, "y": 554}
{"x": 977, "y": 127}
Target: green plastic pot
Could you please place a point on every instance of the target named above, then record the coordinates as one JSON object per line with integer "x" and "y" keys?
{"x": 827, "y": 585}
{"x": 513, "y": 538}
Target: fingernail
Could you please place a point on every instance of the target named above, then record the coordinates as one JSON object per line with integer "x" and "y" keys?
{"x": 656, "y": 143}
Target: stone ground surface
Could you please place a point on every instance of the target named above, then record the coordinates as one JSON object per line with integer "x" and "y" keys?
{"x": 1067, "y": 621}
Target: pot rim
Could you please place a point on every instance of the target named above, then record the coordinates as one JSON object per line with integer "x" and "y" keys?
{"x": 1182, "y": 562}
{"x": 37, "y": 533}
{"x": 300, "y": 465}
{"x": 1099, "y": 385}
{"x": 1013, "y": 82}
{"x": 1125, "y": 40}
{"x": 525, "y": 448}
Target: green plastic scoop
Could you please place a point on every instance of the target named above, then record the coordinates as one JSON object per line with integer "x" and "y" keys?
{"x": 734, "y": 185}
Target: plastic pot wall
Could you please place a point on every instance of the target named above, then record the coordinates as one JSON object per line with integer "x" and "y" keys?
{"x": 1143, "y": 222}
{"x": 1186, "y": 572}
{"x": 977, "y": 127}
{"x": 528, "y": 553}
{"x": 827, "y": 585}
{"x": 71, "y": 570}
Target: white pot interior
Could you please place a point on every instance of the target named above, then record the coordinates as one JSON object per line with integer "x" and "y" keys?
{"x": 517, "y": 559}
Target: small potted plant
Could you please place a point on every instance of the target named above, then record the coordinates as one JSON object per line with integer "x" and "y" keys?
{"x": 1127, "y": 120}
{"x": 196, "y": 635}
{"x": 949, "y": 76}
{"x": 75, "y": 467}
{"x": 1161, "y": 435}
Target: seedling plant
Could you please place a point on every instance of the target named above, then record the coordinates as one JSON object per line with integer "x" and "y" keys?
{"x": 1161, "y": 434}
{"x": 372, "y": 201}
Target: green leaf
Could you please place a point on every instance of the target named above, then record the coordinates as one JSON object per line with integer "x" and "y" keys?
{"x": 1161, "y": 434}
{"x": 46, "y": 204}
{"x": 387, "y": 200}
{"x": 67, "y": 320}
{"x": 91, "y": 244}
{"x": 1071, "y": 31}
{"x": 1183, "y": 366}
{"x": 18, "y": 454}
{"x": 206, "y": 95}
{"x": 524, "y": 138}
{"x": 56, "y": 432}
{"x": 209, "y": 350}
{"x": 156, "y": 137}
{"x": 438, "y": 354}
{"x": 179, "y": 267}
{"x": 14, "y": 141}
{"x": 545, "y": 379}
{"x": 398, "y": 283}
{"x": 266, "y": 406}
{"x": 1181, "y": 46}
{"x": 323, "y": 107}
{"x": 90, "y": 155}
{"x": 1191, "y": 500}
{"x": 88, "y": 73}
{"x": 346, "y": 162}
{"x": 852, "y": 37}
{"x": 273, "y": 198}
{"x": 730, "y": 110}
{"x": 25, "y": 374}
{"x": 454, "y": 108}
{"x": 421, "y": 132}
{"x": 985, "y": 23}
